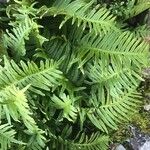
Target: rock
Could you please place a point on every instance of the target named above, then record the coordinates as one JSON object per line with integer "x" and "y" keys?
{"x": 147, "y": 107}
{"x": 120, "y": 147}
{"x": 140, "y": 141}
{"x": 146, "y": 146}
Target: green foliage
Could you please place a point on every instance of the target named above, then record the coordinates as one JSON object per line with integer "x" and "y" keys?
{"x": 7, "y": 136}
{"x": 82, "y": 14}
{"x": 70, "y": 72}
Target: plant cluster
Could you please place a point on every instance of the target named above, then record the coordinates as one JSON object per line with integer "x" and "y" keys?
{"x": 69, "y": 72}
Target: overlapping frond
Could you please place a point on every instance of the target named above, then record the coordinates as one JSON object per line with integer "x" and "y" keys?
{"x": 111, "y": 79}
{"x": 94, "y": 142}
{"x": 37, "y": 140}
{"x": 136, "y": 7}
{"x": 42, "y": 77}
{"x": 13, "y": 103}
{"x": 117, "y": 48}
{"x": 16, "y": 38}
{"x": 108, "y": 112}
{"x": 7, "y": 137}
{"x": 67, "y": 105}
{"x": 75, "y": 100}
{"x": 141, "y": 31}
{"x": 82, "y": 13}
{"x": 80, "y": 141}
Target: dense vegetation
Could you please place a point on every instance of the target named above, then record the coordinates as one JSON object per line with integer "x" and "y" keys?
{"x": 69, "y": 71}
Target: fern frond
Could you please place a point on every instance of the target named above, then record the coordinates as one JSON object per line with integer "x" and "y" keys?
{"x": 14, "y": 103}
{"x": 16, "y": 39}
{"x": 79, "y": 141}
{"x": 120, "y": 49}
{"x": 37, "y": 140}
{"x": 42, "y": 77}
{"x": 67, "y": 105}
{"x": 95, "y": 141}
{"x": 58, "y": 48}
{"x": 141, "y": 31}
{"x": 136, "y": 7}
{"x": 81, "y": 12}
{"x": 111, "y": 79}
{"x": 110, "y": 111}
{"x": 7, "y": 137}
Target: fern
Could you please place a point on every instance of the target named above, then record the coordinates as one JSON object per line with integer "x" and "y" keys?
{"x": 78, "y": 11}
{"x": 70, "y": 73}
{"x": 107, "y": 112}
{"x": 96, "y": 141}
{"x": 37, "y": 141}
{"x": 135, "y": 8}
{"x": 112, "y": 79}
{"x": 16, "y": 39}
{"x": 7, "y": 135}
{"x": 81, "y": 140}
{"x": 39, "y": 77}
{"x": 69, "y": 111}
{"x": 116, "y": 48}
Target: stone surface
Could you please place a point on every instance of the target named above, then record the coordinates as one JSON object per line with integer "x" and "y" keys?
{"x": 140, "y": 141}
{"x": 120, "y": 147}
{"x": 146, "y": 146}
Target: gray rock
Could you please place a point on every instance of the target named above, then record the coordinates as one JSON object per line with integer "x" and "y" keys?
{"x": 120, "y": 147}
{"x": 146, "y": 146}
{"x": 147, "y": 107}
{"x": 140, "y": 141}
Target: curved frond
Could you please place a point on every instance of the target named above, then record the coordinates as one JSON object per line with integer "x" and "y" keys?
{"x": 111, "y": 78}
{"x": 80, "y": 141}
{"x": 120, "y": 49}
{"x": 14, "y": 104}
{"x": 16, "y": 38}
{"x": 37, "y": 140}
{"x": 42, "y": 77}
{"x": 7, "y": 136}
{"x": 95, "y": 141}
{"x": 111, "y": 111}
{"x": 81, "y": 13}
{"x": 135, "y": 8}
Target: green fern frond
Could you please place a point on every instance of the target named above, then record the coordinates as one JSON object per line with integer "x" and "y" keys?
{"x": 80, "y": 141}
{"x": 95, "y": 141}
{"x": 16, "y": 39}
{"x": 120, "y": 49}
{"x": 111, "y": 79}
{"x": 14, "y": 103}
{"x": 37, "y": 140}
{"x": 136, "y": 7}
{"x": 42, "y": 77}
{"x": 67, "y": 105}
{"x": 21, "y": 10}
{"x": 81, "y": 12}
{"x": 58, "y": 48}
{"x": 141, "y": 31}
{"x": 7, "y": 137}
{"x": 111, "y": 111}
